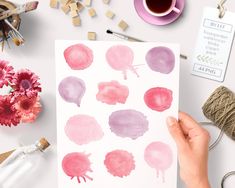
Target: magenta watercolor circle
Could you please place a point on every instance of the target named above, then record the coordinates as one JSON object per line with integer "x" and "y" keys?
{"x": 77, "y": 165}
{"x": 161, "y": 59}
{"x": 78, "y": 56}
{"x": 119, "y": 163}
{"x": 158, "y": 98}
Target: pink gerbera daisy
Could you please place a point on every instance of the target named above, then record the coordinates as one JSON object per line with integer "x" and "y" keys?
{"x": 25, "y": 82}
{"x": 6, "y": 73}
{"x": 8, "y": 114}
{"x": 28, "y": 108}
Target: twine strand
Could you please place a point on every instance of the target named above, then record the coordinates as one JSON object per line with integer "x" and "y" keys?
{"x": 218, "y": 139}
{"x": 232, "y": 173}
{"x": 222, "y": 9}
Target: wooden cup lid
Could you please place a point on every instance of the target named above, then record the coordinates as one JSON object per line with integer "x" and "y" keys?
{"x": 43, "y": 144}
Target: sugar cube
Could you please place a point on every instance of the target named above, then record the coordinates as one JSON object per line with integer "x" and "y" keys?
{"x": 92, "y": 12}
{"x": 123, "y": 25}
{"x": 91, "y": 35}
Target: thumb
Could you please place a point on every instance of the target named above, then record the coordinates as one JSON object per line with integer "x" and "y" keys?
{"x": 176, "y": 132}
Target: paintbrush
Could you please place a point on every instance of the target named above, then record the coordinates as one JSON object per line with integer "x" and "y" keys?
{"x": 14, "y": 29}
{"x": 132, "y": 39}
{"x": 14, "y": 38}
{"x": 124, "y": 37}
{"x": 20, "y": 9}
{"x": 14, "y": 34}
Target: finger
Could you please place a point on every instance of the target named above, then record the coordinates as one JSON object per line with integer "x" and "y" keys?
{"x": 188, "y": 123}
{"x": 176, "y": 132}
{"x": 192, "y": 129}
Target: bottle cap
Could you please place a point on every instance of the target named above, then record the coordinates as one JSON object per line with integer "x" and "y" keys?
{"x": 43, "y": 144}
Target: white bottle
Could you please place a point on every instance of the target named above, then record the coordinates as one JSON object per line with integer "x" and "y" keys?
{"x": 19, "y": 166}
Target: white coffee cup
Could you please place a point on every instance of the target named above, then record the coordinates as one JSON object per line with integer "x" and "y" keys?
{"x": 168, "y": 11}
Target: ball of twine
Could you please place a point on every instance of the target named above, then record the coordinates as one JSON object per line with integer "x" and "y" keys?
{"x": 220, "y": 109}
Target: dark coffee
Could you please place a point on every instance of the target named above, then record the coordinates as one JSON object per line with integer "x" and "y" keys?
{"x": 159, "y": 6}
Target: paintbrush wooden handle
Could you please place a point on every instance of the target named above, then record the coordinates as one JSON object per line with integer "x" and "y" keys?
{"x": 20, "y": 9}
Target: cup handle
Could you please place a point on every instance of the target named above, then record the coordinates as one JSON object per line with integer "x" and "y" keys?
{"x": 176, "y": 10}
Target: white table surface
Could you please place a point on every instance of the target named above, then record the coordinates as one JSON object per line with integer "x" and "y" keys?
{"x": 40, "y": 28}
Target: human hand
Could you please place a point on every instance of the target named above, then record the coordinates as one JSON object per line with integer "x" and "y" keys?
{"x": 192, "y": 143}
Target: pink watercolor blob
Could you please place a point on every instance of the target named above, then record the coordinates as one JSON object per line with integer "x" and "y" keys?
{"x": 72, "y": 89}
{"x": 119, "y": 163}
{"x": 77, "y": 165}
{"x": 158, "y": 98}
{"x": 83, "y": 129}
{"x": 159, "y": 156}
{"x": 121, "y": 58}
{"x": 112, "y": 93}
{"x": 78, "y": 56}
{"x": 128, "y": 123}
{"x": 161, "y": 59}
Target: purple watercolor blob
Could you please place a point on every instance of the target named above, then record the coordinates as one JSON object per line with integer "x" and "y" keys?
{"x": 72, "y": 89}
{"x": 161, "y": 59}
{"x": 128, "y": 123}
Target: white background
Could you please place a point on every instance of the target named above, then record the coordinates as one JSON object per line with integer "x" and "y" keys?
{"x": 42, "y": 27}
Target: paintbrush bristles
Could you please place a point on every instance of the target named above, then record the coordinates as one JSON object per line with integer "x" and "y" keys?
{"x": 31, "y": 6}
{"x": 109, "y": 31}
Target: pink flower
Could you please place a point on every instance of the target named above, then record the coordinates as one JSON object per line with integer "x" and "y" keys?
{"x": 6, "y": 73}
{"x": 8, "y": 114}
{"x": 28, "y": 108}
{"x": 25, "y": 82}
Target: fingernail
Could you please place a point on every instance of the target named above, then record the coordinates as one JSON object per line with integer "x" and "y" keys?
{"x": 171, "y": 121}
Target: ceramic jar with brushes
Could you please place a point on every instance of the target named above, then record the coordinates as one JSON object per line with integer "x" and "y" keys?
{"x": 10, "y": 21}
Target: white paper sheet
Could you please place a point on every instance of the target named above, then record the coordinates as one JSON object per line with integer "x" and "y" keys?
{"x": 100, "y": 71}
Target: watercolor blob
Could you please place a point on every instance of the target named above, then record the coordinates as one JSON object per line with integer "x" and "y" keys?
{"x": 83, "y": 129}
{"x": 158, "y": 98}
{"x": 119, "y": 163}
{"x": 120, "y": 58}
{"x": 161, "y": 59}
{"x": 78, "y": 56}
{"x": 159, "y": 156}
{"x": 77, "y": 165}
{"x": 112, "y": 93}
{"x": 72, "y": 89}
{"x": 128, "y": 123}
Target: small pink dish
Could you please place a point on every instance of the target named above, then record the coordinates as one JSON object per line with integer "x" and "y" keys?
{"x": 154, "y": 20}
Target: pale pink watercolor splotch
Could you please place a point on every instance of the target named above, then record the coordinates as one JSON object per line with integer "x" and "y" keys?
{"x": 159, "y": 156}
{"x": 120, "y": 58}
{"x": 112, "y": 93}
{"x": 83, "y": 129}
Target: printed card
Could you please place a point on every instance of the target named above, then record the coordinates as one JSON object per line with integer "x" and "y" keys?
{"x": 214, "y": 45}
